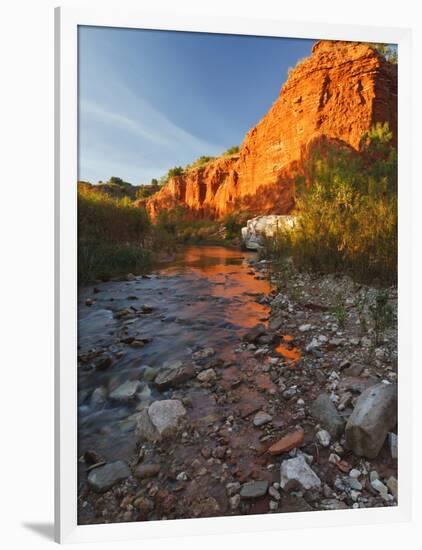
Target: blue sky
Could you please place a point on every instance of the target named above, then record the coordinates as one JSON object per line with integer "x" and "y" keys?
{"x": 150, "y": 100}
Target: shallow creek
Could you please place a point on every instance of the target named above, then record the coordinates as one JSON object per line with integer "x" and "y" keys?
{"x": 206, "y": 297}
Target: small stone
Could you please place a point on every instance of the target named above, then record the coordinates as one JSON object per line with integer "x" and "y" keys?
{"x": 182, "y": 476}
{"x": 232, "y": 488}
{"x": 144, "y": 471}
{"x": 203, "y": 354}
{"x": 130, "y": 277}
{"x": 296, "y": 474}
{"x": 207, "y": 375}
{"x": 261, "y": 418}
{"x": 354, "y": 484}
{"x": 305, "y": 328}
{"x": 392, "y": 486}
{"x": 288, "y": 442}
{"x": 393, "y": 444}
{"x": 355, "y": 473}
{"x": 380, "y": 487}
{"x": 273, "y": 505}
{"x": 234, "y": 502}
{"x": 373, "y": 475}
{"x": 274, "y": 493}
{"x": 325, "y": 412}
{"x": 253, "y": 489}
{"x": 323, "y": 438}
{"x": 104, "y": 477}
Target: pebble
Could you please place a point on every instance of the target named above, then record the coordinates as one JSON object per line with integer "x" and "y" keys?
{"x": 323, "y": 438}
{"x": 261, "y": 418}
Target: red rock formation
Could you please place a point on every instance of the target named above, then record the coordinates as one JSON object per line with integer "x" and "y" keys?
{"x": 336, "y": 95}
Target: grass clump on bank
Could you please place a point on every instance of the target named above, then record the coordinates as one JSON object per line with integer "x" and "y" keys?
{"x": 346, "y": 212}
{"x": 112, "y": 235}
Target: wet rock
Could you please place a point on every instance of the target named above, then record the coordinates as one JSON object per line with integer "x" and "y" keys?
{"x": 104, "y": 361}
{"x": 149, "y": 373}
{"x": 98, "y": 397}
{"x": 297, "y": 475}
{"x": 254, "y": 333}
{"x": 104, "y": 477}
{"x": 126, "y": 313}
{"x": 375, "y": 414}
{"x": 171, "y": 378}
{"x": 147, "y": 308}
{"x": 253, "y": 489}
{"x": 203, "y": 354}
{"x": 130, "y": 277}
{"x": 160, "y": 420}
{"x": 287, "y": 443}
{"x": 207, "y": 375}
{"x": 126, "y": 391}
{"x": 325, "y": 412}
{"x": 323, "y": 438}
{"x": 261, "y": 418}
{"x": 144, "y": 471}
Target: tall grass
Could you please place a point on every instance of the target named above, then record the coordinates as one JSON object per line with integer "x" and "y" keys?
{"x": 346, "y": 210}
{"x": 111, "y": 236}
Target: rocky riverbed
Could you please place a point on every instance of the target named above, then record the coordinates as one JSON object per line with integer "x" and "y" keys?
{"x": 215, "y": 386}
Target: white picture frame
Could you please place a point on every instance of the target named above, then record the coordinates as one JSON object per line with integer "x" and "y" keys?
{"x": 66, "y": 25}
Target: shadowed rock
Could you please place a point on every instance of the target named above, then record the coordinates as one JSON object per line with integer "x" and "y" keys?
{"x": 104, "y": 477}
{"x": 375, "y": 414}
{"x": 325, "y": 412}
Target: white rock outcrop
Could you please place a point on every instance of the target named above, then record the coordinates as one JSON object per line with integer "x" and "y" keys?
{"x": 266, "y": 226}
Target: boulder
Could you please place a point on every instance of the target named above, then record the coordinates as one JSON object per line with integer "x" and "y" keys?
{"x": 297, "y": 475}
{"x": 207, "y": 375}
{"x": 104, "y": 477}
{"x": 325, "y": 412}
{"x": 161, "y": 420}
{"x": 374, "y": 415}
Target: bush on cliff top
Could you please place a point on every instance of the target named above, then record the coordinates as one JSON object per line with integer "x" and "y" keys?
{"x": 347, "y": 214}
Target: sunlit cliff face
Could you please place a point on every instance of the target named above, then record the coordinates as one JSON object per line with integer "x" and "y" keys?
{"x": 337, "y": 94}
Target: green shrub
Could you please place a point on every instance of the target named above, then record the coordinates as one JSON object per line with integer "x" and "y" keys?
{"x": 231, "y": 151}
{"x": 347, "y": 214}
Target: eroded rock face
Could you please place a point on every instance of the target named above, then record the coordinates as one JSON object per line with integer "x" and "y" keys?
{"x": 374, "y": 415}
{"x": 334, "y": 96}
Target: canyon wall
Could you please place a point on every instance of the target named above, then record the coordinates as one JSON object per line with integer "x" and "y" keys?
{"x": 335, "y": 94}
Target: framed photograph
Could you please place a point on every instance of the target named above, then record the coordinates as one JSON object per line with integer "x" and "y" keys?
{"x": 232, "y": 275}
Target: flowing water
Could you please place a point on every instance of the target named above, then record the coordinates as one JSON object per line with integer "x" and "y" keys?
{"x": 206, "y": 297}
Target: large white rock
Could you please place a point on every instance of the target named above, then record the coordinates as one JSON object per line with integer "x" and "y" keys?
{"x": 161, "y": 419}
{"x": 297, "y": 475}
{"x": 264, "y": 225}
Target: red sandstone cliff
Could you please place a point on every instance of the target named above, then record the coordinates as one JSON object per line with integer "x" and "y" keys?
{"x": 337, "y": 93}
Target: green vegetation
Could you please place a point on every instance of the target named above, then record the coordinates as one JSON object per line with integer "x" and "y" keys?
{"x": 346, "y": 210}
{"x": 176, "y": 171}
{"x": 111, "y": 235}
{"x": 231, "y": 151}
{"x": 382, "y": 315}
{"x": 388, "y": 51}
